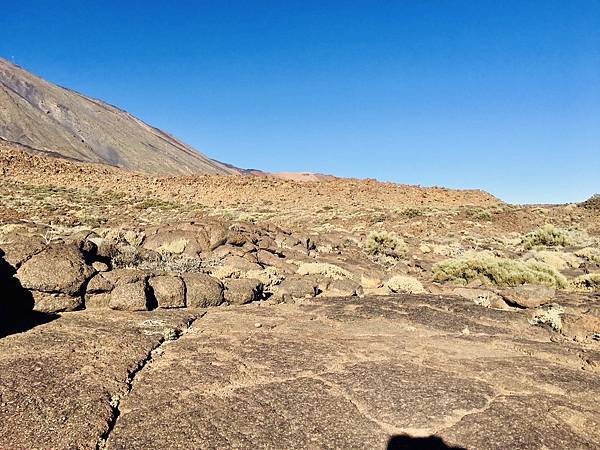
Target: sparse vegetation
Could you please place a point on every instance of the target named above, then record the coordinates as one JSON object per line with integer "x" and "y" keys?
{"x": 490, "y": 269}
{"x": 325, "y": 269}
{"x": 592, "y": 203}
{"x": 590, "y": 254}
{"x": 548, "y": 236}
{"x": 586, "y": 283}
{"x": 405, "y": 284}
{"x": 385, "y": 244}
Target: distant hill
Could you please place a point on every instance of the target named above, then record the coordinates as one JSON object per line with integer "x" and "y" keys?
{"x": 48, "y": 119}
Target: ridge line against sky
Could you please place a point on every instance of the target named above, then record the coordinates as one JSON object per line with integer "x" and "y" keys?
{"x": 504, "y": 98}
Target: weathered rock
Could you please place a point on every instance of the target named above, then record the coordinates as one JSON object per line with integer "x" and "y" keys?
{"x": 341, "y": 288}
{"x": 528, "y": 295}
{"x": 129, "y": 297}
{"x": 581, "y": 326}
{"x": 483, "y": 297}
{"x": 58, "y": 268}
{"x": 168, "y": 290}
{"x": 242, "y": 290}
{"x": 98, "y": 284}
{"x": 97, "y": 301}
{"x": 202, "y": 290}
{"x": 123, "y": 276}
{"x": 18, "y": 248}
{"x": 48, "y": 302}
{"x": 100, "y": 266}
{"x": 296, "y": 287}
{"x": 105, "y": 249}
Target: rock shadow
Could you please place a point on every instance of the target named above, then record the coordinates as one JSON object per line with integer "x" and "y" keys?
{"x": 16, "y": 303}
{"x": 407, "y": 442}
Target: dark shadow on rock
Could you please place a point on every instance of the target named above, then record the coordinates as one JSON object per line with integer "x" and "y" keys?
{"x": 16, "y": 303}
{"x": 407, "y": 442}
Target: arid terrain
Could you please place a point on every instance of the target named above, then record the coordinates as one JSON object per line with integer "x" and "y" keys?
{"x": 231, "y": 311}
{"x": 217, "y": 307}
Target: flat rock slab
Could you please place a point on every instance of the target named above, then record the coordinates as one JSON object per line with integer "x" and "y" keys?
{"x": 363, "y": 373}
{"x": 58, "y": 379}
{"x": 370, "y": 372}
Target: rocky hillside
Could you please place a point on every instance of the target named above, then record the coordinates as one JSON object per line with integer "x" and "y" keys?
{"x": 49, "y": 119}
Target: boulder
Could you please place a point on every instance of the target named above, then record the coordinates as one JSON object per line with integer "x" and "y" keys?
{"x": 239, "y": 291}
{"x": 296, "y": 287}
{"x": 482, "y": 297}
{"x": 202, "y": 291}
{"x": 341, "y": 288}
{"x": 97, "y": 301}
{"x": 105, "y": 249}
{"x": 99, "y": 284}
{"x": 169, "y": 291}
{"x": 58, "y": 268}
{"x": 124, "y": 276}
{"x": 18, "y": 247}
{"x": 129, "y": 297}
{"x": 528, "y": 295}
{"x": 51, "y": 302}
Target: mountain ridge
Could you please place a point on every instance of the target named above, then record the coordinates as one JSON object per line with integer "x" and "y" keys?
{"x": 56, "y": 120}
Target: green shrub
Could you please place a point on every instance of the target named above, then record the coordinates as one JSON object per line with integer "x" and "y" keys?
{"x": 385, "y": 243}
{"x": 586, "y": 283}
{"x": 547, "y": 236}
{"x": 490, "y": 269}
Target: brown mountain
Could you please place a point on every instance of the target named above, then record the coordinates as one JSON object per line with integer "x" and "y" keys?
{"x": 49, "y": 119}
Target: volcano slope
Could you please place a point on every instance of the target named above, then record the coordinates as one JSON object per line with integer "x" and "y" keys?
{"x": 208, "y": 311}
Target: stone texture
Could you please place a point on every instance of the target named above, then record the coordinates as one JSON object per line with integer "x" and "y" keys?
{"x": 242, "y": 290}
{"x": 168, "y": 290}
{"x": 129, "y": 297}
{"x": 296, "y": 287}
{"x": 58, "y": 268}
{"x": 310, "y": 377}
{"x": 97, "y": 301}
{"x": 202, "y": 290}
{"x": 528, "y": 296}
{"x": 341, "y": 288}
{"x": 58, "y": 378}
{"x": 51, "y": 302}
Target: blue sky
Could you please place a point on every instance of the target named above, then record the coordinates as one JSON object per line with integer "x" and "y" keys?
{"x": 502, "y": 96}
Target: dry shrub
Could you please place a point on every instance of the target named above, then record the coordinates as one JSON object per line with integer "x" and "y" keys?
{"x": 385, "y": 243}
{"x": 490, "y": 269}
{"x": 405, "y": 284}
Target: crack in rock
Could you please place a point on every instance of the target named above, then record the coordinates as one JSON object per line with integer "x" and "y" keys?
{"x": 115, "y": 400}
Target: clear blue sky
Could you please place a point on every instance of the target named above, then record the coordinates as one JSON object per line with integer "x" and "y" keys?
{"x": 498, "y": 95}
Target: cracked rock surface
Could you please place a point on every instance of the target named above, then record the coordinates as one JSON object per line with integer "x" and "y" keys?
{"x": 334, "y": 373}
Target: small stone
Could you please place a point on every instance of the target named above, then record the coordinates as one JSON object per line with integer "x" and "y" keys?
{"x": 257, "y": 325}
{"x": 129, "y": 297}
{"x": 169, "y": 291}
{"x": 100, "y": 266}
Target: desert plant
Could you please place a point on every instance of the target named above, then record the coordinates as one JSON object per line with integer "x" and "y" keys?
{"x": 385, "y": 243}
{"x": 547, "y": 236}
{"x": 586, "y": 283}
{"x": 325, "y": 269}
{"x": 405, "y": 284}
{"x": 590, "y": 254}
{"x": 490, "y": 269}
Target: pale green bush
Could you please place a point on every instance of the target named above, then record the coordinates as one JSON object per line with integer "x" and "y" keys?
{"x": 405, "y": 284}
{"x": 548, "y": 236}
{"x": 490, "y": 269}
{"x": 385, "y": 243}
